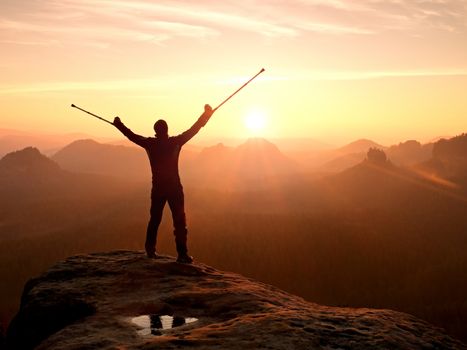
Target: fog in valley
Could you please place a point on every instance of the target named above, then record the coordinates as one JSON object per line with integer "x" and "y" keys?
{"x": 362, "y": 225}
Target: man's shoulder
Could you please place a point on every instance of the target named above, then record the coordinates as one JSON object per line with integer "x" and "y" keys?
{"x": 171, "y": 140}
{"x": 147, "y": 141}
{"x": 175, "y": 139}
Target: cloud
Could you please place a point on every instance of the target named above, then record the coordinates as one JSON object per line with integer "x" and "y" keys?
{"x": 30, "y": 43}
{"x": 140, "y": 85}
{"x": 145, "y": 21}
{"x": 378, "y": 16}
{"x": 189, "y": 14}
{"x": 134, "y": 85}
{"x": 101, "y": 23}
{"x": 333, "y": 28}
{"x": 419, "y": 15}
{"x": 97, "y": 25}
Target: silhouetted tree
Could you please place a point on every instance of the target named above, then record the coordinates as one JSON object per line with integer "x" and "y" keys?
{"x": 376, "y": 155}
{"x": 456, "y": 146}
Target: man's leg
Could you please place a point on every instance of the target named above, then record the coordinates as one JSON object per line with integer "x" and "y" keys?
{"x": 157, "y": 207}
{"x": 177, "y": 206}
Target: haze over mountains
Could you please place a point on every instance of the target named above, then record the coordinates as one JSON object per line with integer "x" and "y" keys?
{"x": 376, "y": 234}
{"x": 14, "y": 140}
{"x": 256, "y": 165}
{"x": 85, "y": 169}
{"x": 449, "y": 161}
{"x": 89, "y": 156}
{"x": 254, "y": 158}
{"x": 40, "y": 198}
{"x": 311, "y": 154}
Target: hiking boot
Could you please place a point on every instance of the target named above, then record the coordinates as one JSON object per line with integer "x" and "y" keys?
{"x": 153, "y": 255}
{"x": 184, "y": 259}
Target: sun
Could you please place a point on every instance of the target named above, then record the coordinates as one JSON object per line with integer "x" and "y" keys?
{"x": 255, "y": 121}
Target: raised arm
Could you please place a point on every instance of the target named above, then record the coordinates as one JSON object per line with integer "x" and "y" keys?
{"x": 202, "y": 121}
{"x": 138, "y": 139}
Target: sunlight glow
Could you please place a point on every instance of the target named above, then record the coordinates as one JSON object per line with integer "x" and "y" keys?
{"x": 255, "y": 121}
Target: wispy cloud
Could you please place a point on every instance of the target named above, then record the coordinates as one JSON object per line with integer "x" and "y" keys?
{"x": 419, "y": 15}
{"x": 100, "y": 25}
{"x": 134, "y": 85}
{"x": 414, "y": 16}
{"x": 141, "y": 85}
{"x": 104, "y": 22}
{"x": 333, "y": 28}
{"x": 30, "y": 42}
{"x": 109, "y": 21}
{"x": 137, "y": 12}
{"x": 142, "y": 26}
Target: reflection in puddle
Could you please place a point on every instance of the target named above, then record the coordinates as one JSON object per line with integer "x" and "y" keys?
{"x": 153, "y": 324}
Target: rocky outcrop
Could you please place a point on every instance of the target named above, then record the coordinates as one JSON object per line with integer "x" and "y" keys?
{"x": 27, "y": 161}
{"x": 123, "y": 300}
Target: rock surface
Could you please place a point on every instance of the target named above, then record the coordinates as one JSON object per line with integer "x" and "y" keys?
{"x": 90, "y": 301}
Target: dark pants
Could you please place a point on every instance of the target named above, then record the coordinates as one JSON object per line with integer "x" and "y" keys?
{"x": 176, "y": 203}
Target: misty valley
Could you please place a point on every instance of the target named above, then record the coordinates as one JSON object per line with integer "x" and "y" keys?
{"x": 360, "y": 226}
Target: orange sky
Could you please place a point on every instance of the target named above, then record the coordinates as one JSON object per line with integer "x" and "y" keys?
{"x": 336, "y": 70}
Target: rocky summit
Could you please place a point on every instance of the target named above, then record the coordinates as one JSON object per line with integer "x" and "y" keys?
{"x": 124, "y": 300}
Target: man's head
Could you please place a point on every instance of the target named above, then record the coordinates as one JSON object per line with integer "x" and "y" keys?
{"x": 161, "y": 128}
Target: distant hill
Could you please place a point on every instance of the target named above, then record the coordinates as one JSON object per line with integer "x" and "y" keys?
{"x": 361, "y": 145}
{"x": 89, "y": 156}
{"x": 381, "y": 183}
{"x": 13, "y": 140}
{"x": 342, "y": 158}
{"x": 405, "y": 153}
{"x": 436, "y": 139}
{"x": 448, "y": 163}
{"x": 27, "y": 162}
{"x": 370, "y": 183}
{"x": 39, "y": 197}
{"x": 214, "y": 166}
{"x": 455, "y": 147}
{"x": 409, "y": 152}
{"x": 342, "y": 162}
{"x": 246, "y": 165}
{"x": 125, "y": 160}
{"x": 299, "y": 144}
{"x": 30, "y": 172}
{"x": 258, "y": 157}
{"x": 214, "y": 159}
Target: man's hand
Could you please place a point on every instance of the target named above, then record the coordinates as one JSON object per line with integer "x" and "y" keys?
{"x": 117, "y": 121}
{"x": 208, "y": 111}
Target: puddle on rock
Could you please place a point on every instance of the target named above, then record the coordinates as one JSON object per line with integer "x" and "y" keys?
{"x": 154, "y": 324}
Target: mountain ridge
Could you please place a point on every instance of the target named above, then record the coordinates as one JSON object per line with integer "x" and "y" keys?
{"x": 28, "y": 160}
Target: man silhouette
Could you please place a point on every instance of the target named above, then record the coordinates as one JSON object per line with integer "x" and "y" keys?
{"x": 163, "y": 152}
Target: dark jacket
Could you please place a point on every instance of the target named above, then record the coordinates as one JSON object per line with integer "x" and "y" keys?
{"x": 163, "y": 153}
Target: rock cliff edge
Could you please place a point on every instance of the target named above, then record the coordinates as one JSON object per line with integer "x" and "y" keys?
{"x": 124, "y": 300}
